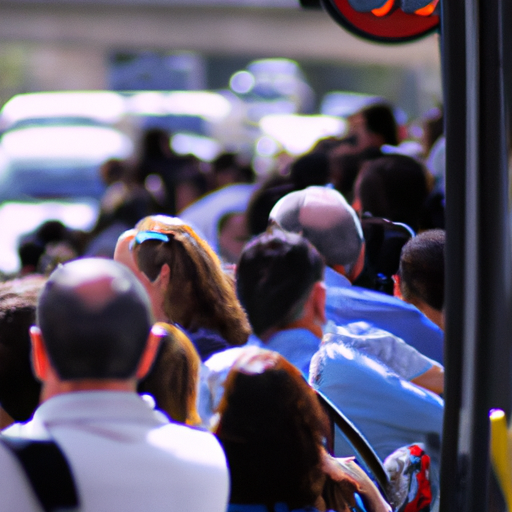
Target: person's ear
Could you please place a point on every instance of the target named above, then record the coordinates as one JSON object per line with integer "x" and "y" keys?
{"x": 164, "y": 277}
{"x": 319, "y": 299}
{"x": 358, "y": 265}
{"x": 40, "y": 360}
{"x": 148, "y": 356}
{"x": 396, "y": 287}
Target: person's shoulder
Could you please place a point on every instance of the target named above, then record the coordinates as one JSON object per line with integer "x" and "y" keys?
{"x": 345, "y": 367}
{"x": 378, "y": 301}
{"x": 191, "y": 444}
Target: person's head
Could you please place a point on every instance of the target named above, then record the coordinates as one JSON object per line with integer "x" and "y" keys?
{"x": 310, "y": 169}
{"x": 263, "y": 200}
{"x": 50, "y": 243}
{"x": 420, "y": 279}
{"x": 345, "y": 165}
{"x": 185, "y": 275}
{"x": 94, "y": 324}
{"x": 30, "y": 250}
{"x": 323, "y": 216}
{"x": 19, "y": 389}
{"x": 383, "y": 244}
{"x": 278, "y": 275}
{"x": 155, "y": 143}
{"x": 271, "y": 427}
{"x": 113, "y": 170}
{"x": 394, "y": 187}
{"x": 174, "y": 377}
{"x": 374, "y": 126}
{"x": 228, "y": 168}
{"x": 232, "y": 235}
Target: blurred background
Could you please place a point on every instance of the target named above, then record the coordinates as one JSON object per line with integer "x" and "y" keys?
{"x": 199, "y": 44}
{"x": 83, "y": 81}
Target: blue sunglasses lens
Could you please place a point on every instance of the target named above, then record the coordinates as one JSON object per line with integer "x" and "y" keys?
{"x": 143, "y": 236}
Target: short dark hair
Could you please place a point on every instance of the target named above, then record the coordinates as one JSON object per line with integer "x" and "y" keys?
{"x": 310, "y": 169}
{"x": 274, "y": 277}
{"x": 19, "y": 389}
{"x": 394, "y": 187}
{"x": 422, "y": 268}
{"x": 380, "y": 119}
{"x": 94, "y": 341}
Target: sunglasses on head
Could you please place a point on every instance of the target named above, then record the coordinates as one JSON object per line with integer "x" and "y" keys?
{"x": 144, "y": 236}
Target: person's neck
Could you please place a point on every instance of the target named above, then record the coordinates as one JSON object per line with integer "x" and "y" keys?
{"x": 432, "y": 314}
{"x": 312, "y": 327}
{"x": 54, "y": 387}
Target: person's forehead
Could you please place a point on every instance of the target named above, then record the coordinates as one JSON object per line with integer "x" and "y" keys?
{"x": 123, "y": 253}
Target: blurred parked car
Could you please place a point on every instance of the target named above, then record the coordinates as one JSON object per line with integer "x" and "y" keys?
{"x": 52, "y": 172}
{"x": 43, "y": 108}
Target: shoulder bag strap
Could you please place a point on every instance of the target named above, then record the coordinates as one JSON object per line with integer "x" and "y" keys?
{"x": 47, "y": 470}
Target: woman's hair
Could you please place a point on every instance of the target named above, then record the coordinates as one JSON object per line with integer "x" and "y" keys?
{"x": 173, "y": 379}
{"x": 200, "y": 294}
{"x": 272, "y": 428}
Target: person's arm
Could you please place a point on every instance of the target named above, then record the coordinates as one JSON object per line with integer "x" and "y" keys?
{"x": 432, "y": 379}
{"x": 403, "y": 359}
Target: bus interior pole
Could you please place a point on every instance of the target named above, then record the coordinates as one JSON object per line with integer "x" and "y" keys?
{"x": 453, "y": 59}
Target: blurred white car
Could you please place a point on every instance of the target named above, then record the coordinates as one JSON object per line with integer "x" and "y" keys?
{"x": 29, "y": 109}
{"x": 52, "y": 172}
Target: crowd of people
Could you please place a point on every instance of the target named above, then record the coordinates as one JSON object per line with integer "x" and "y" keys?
{"x": 222, "y": 343}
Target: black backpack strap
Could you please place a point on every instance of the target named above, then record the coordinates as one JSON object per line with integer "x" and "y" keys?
{"x": 47, "y": 470}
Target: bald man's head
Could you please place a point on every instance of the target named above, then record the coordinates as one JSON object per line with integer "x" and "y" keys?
{"x": 95, "y": 319}
{"x": 322, "y": 216}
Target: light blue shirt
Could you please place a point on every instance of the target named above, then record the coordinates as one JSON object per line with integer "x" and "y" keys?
{"x": 389, "y": 411}
{"x": 347, "y": 304}
{"x": 296, "y": 345}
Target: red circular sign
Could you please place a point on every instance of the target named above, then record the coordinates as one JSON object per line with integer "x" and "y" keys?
{"x": 397, "y": 27}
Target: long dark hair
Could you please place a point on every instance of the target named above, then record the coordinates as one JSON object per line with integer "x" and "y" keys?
{"x": 272, "y": 428}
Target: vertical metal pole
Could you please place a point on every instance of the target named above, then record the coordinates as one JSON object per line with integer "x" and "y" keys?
{"x": 453, "y": 52}
{"x": 478, "y": 353}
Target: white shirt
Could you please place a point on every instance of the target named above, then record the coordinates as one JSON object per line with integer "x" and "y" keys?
{"x": 124, "y": 457}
